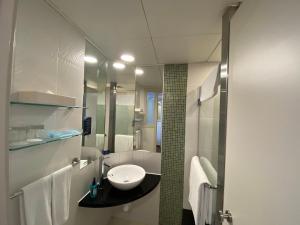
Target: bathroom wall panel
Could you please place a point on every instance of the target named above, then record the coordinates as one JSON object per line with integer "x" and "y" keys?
{"x": 70, "y": 76}
{"x": 7, "y": 12}
{"x": 71, "y": 46}
{"x": 49, "y": 57}
{"x": 36, "y": 47}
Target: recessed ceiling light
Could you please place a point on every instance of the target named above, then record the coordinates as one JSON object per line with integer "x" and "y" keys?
{"x": 90, "y": 59}
{"x": 127, "y": 58}
{"x": 118, "y": 66}
{"x": 139, "y": 71}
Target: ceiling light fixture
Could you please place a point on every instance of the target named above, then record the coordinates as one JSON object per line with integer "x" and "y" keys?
{"x": 139, "y": 71}
{"x": 119, "y": 66}
{"x": 127, "y": 58}
{"x": 90, "y": 59}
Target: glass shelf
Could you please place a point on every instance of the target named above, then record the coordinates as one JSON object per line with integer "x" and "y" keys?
{"x": 25, "y": 144}
{"x": 46, "y": 105}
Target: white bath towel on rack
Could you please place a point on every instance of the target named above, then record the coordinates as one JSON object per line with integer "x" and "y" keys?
{"x": 35, "y": 203}
{"x": 199, "y": 195}
{"x": 61, "y": 188}
{"x": 211, "y": 194}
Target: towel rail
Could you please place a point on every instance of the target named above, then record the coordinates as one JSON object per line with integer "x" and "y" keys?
{"x": 75, "y": 162}
{"x": 211, "y": 187}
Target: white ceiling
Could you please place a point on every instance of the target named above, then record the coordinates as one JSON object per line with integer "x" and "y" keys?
{"x": 155, "y": 31}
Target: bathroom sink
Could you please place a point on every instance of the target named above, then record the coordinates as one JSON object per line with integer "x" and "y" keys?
{"x": 126, "y": 177}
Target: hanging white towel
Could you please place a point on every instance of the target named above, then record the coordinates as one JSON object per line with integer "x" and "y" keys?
{"x": 61, "y": 187}
{"x": 35, "y": 203}
{"x": 123, "y": 143}
{"x": 198, "y": 196}
{"x": 209, "y": 170}
{"x": 211, "y": 174}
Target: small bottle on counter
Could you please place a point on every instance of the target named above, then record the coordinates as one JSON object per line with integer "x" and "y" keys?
{"x": 93, "y": 188}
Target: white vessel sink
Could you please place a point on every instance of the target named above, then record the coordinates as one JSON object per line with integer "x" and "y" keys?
{"x": 126, "y": 177}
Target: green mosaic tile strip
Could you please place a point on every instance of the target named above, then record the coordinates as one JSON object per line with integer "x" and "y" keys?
{"x": 173, "y": 137}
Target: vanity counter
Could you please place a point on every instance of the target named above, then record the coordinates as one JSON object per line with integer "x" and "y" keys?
{"x": 109, "y": 196}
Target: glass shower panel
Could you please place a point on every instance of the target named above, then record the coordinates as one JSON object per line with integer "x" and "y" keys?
{"x": 208, "y": 142}
{"x": 209, "y": 129}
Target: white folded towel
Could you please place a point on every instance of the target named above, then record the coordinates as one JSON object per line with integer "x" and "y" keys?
{"x": 35, "y": 203}
{"x": 61, "y": 187}
{"x": 199, "y": 199}
{"x": 123, "y": 143}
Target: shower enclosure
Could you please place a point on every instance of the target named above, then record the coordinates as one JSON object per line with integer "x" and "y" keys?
{"x": 208, "y": 132}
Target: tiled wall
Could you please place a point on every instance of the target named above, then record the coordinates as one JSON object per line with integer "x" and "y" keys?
{"x": 174, "y": 108}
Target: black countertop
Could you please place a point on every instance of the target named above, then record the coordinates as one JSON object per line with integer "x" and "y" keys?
{"x": 109, "y": 196}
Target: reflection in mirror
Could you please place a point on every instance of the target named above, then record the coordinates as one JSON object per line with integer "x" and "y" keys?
{"x": 121, "y": 93}
{"x": 124, "y": 119}
{"x": 93, "y": 117}
{"x": 148, "y": 109}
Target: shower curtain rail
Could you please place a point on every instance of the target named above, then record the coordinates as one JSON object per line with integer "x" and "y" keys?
{"x": 75, "y": 162}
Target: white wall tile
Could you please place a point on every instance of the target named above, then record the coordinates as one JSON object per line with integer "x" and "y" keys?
{"x": 70, "y": 76}
{"x": 49, "y": 57}
{"x": 36, "y": 48}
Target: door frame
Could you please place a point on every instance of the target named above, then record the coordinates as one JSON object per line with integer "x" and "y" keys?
{"x": 224, "y": 72}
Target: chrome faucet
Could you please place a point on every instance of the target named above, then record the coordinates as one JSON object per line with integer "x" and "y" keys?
{"x": 103, "y": 168}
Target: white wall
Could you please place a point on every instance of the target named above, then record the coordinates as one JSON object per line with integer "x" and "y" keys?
{"x": 262, "y": 161}
{"x": 48, "y": 57}
{"x": 7, "y": 8}
{"x": 197, "y": 73}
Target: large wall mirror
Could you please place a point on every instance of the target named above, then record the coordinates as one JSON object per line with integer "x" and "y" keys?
{"x": 93, "y": 116}
{"x": 135, "y": 109}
